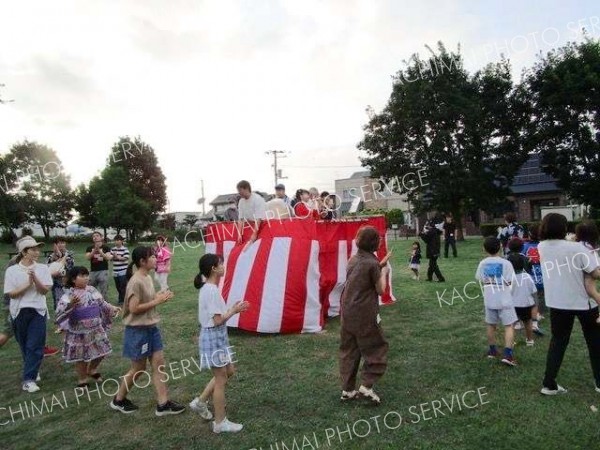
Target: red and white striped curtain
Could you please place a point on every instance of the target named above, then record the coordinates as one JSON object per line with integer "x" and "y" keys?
{"x": 293, "y": 275}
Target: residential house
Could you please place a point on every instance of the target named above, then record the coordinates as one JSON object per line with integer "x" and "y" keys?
{"x": 532, "y": 190}
{"x": 369, "y": 193}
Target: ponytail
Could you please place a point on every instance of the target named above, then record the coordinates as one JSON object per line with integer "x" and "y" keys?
{"x": 129, "y": 272}
{"x": 199, "y": 281}
{"x": 205, "y": 266}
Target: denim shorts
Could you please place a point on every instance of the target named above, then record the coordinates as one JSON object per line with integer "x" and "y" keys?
{"x": 141, "y": 342}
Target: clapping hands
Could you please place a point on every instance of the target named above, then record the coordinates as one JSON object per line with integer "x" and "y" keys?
{"x": 164, "y": 296}
{"x": 241, "y": 306}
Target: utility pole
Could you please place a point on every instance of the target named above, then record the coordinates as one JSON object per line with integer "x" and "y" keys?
{"x": 202, "y": 200}
{"x": 276, "y": 172}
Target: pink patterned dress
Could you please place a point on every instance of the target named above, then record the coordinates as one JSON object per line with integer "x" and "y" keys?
{"x": 85, "y": 324}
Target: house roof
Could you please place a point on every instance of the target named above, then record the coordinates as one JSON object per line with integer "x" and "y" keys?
{"x": 223, "y": 199}
{"x": 361, "y": 174}
{"x": 531, "y": 178}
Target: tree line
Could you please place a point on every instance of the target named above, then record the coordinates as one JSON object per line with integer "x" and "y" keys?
{"x": 128, "y": 195}
{"x": 472, "y": 132}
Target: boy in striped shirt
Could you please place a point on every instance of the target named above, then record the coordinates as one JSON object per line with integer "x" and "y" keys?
{"x": 120, "y": 262}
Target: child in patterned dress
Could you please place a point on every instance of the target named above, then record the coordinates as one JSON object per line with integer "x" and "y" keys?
{"x": 85, "y": 317}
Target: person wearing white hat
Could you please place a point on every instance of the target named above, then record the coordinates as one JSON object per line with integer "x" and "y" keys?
{"x": 27, "y": 283}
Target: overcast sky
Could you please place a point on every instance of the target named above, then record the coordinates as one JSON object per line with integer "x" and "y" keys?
{"x": 212, "y": 85}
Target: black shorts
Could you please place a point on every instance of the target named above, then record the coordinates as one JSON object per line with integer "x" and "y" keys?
{"x": 524, "y": 313}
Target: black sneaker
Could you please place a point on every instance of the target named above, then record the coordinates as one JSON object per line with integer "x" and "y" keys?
{"x": 168, "y": 408}
{"x": 125, "y": 405}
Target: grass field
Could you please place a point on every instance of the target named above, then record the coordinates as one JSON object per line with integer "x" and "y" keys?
{"x": 287, "y": 387}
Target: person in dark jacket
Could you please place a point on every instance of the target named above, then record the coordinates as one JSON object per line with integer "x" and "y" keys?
{"x": 449, "y": 236}
{"x": 431, "y": 236}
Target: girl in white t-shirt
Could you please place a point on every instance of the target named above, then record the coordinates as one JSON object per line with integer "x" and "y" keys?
{"x": 215, "y": 351}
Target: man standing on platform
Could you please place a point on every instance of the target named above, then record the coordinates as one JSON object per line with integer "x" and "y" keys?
{"x": 280, "y": 193}
{"x": 251, "y": 210}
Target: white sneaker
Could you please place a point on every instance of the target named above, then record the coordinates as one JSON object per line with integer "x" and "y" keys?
{"x": 31, "y": 387}
{"x": 518, "y": 326}
{"x": 38, "y": 379}
{"x": 369, "y": 394}
{"x": 201, "y": 408}
{"x": 227, "y": 427}
{"x": 559, "y": 390}
{"x": 529, "y": 342}
{"x": 348, "y": 395}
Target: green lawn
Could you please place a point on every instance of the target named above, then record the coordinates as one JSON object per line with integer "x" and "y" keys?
{"x": 287, "y": 386}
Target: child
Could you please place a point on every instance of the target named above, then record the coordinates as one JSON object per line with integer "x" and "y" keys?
{"x": 361, "y": 335}
{"x": 586, "y": 232}
{"x": 163, "y": 263}
{"x": 27, "y": 283}
{"x": 512, "y": 229}
{"x": 85, "y": 317}
{"x": 120, "y": 261}
{"x": 495, "y": 274}
{"x": 524, "y": 292}
{"x": 142, "y": 340}
{"x": 415, "y": 260}
{"x": 515, "y": 252}
{"x": 66, "y": 262}
{"x": 530, "y": 250}
{"x": 214, "y": 342}
{"x": 303, "y": 208}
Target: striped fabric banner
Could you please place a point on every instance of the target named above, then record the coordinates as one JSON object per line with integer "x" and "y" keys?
{"x": 293, "y": 275}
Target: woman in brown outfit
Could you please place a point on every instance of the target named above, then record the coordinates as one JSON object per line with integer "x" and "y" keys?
{"x": 361, "y": 334}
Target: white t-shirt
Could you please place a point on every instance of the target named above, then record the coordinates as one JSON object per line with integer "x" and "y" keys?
{"x": 16, "y": 276}
{"x": 496, "y": 275}
{"x": 210, "y": 302}
{"x": 252, "y": 208}
{"x": 563, "y": 264}
{"x": 523, "y": 288}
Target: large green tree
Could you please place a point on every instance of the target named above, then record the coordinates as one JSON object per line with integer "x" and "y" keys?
{"x": 144, "y": 173}
{"x": 85, "y": 205}
{"x": 40, "y": 184}
{"x": 130, "y": 192}
{"x": 12, "y": 211}
{"x": 117, "y": 203}
{"x": 564, "y": 93}
{"x": 460, "y": 130}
